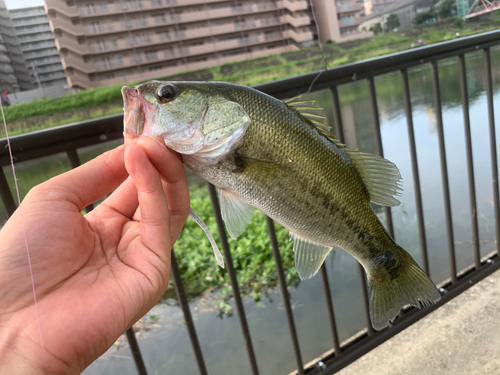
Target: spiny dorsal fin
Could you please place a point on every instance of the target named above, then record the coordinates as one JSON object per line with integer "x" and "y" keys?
{"x": 381, "y": 177}
{"x": 308, "y": 110}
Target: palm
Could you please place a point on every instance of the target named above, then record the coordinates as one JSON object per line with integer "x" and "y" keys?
{"x": 94, "y": 275}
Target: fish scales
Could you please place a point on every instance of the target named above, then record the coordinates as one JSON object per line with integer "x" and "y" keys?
{"x": 277, "y": 157}
{"x": 309, "y": 193}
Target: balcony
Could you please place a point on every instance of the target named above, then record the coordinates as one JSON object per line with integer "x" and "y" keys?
{"x": 67, "y": 26}
{"x": 37, "y": 46}
{"x": 38, "y": 54}
{"x": 77, "y": 64}
{"x": 36, "y": 37}
{"x": 293, "y": 6}
{"x": 47, "y": 61}
{"x": 168, "y": 19}
{"x": 31, "y": 22}
{"x": 8, "y": 77}
{"x": 299, "y": 37}
{"x": 51, "y": 76}
{"x": 71, "y": 44}
{"x": 49, "y": 68}
{"x": 296, "y": 21}
{"x": 60, "y": 6}
{"x": 6, "y": 68}
{"x": 21, "y": 13}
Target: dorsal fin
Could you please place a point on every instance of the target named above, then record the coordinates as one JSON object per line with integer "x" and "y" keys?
{"x": 307, "y": 109}
{"x": 380, "y": 176}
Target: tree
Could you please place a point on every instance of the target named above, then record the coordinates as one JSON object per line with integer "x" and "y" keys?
{"x": 445, "y": 8}
{"x": 376, "y": 28}
{"x": 392, "y": 22}
{"x": 424, "y": 17}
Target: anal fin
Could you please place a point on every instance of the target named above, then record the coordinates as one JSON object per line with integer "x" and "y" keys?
{"x": 309, "y": 256}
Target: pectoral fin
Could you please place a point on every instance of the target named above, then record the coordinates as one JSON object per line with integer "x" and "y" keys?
{"x": 236, "y": 213}
{"x": 193, "y": 216}
{"x": 309, "y": 256}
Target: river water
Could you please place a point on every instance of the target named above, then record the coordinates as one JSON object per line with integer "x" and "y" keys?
{"x": 165, "y": 345}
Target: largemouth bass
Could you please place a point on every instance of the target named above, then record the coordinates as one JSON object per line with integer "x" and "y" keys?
{"x": 280, "y": 158}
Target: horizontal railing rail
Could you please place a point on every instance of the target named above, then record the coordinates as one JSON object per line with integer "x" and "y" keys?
{"x": 71, "y": 137}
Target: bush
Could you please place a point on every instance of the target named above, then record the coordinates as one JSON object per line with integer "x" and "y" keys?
{"x": 459, "y": 23}
{"x": 376, "y": 29}
{"x": 392, "y": 22}
{"x": 424, "y": 17}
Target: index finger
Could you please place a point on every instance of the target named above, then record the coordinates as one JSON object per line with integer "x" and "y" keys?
{"x": 169, "y": 164}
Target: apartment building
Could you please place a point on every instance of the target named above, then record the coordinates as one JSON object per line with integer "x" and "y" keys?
{"x": 38, "y": 46}
{"x": 106, "y": 42}
{"x": 378, "y": 6}
{"x": 338, "y": 21}
{"x": 14, "y": 75}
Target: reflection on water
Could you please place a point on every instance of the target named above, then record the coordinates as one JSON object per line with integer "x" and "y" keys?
{"x": 167, "y": 349}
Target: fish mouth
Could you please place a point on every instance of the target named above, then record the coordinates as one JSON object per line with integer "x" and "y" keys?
{"x": 134, "y": 114}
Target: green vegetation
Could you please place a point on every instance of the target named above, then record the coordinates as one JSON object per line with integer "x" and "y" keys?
{"x": 107, "y": 100}
{"x": 393, "y": 22}
{"x": 252, "y": 257}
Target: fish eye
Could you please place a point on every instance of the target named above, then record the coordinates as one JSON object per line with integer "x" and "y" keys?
{"x": 166, "y": 93}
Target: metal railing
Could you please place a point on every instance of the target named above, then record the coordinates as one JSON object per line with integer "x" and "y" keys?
{"x": 71, "y": 137}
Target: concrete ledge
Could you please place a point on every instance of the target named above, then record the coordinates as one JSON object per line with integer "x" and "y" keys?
{"x": 461, "y": 337}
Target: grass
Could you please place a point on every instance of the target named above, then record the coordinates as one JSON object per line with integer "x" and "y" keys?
{"x": 106, "y": 100}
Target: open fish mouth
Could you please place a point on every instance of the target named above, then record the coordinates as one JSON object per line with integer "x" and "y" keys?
{"x": 134, "y": 115}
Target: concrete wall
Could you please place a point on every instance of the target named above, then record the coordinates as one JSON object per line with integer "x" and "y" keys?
{"x": 30, "y": 95}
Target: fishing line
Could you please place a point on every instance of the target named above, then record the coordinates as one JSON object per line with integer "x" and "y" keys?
{"x": 322, "y": 68}
{"x": 24, "y": 232}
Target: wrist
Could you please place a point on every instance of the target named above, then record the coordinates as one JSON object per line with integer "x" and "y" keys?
{"x": 21, "y": 354}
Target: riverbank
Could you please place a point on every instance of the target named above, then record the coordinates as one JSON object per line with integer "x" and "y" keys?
{"x": 107, "y": 100}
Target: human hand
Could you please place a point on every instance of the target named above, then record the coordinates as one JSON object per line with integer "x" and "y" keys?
{"x": 95, "y": 275}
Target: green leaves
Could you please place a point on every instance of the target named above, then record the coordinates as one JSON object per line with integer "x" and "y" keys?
{"x": 252, "y": 257}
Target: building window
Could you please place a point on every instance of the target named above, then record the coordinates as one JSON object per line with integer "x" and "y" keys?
{"x": 151, "y": 55}
{"x": 124, "y": 5}
{"x": 118, "y": 60}
{"x": 104, "y": 7}
{"x": 91, "y": 9}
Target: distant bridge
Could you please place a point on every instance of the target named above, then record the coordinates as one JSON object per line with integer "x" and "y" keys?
{"x": 480, "y": 7}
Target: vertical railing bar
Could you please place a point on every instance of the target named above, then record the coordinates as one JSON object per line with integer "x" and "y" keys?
{"x": 74, "y": 160}
{"x": 182, "y": 298}
{"x": 6, "y": 194}
{"x": 444, "y": 171}
{"x": 136, "y": 352}
{"x": 378, "y": 143}
{"x": 284, "y": 294}
{"x": 470, "y": 163}
{"x": 366, "y": 298}
{"x": 331, "y": 312}
{"x": 232, "y": 277}
{"x": 493, "y": 144}
{"x": 339, "y": 130}
{"x": 414, "y": 168}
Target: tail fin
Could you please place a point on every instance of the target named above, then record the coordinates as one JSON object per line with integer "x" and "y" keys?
{"x": 391, "y": 291}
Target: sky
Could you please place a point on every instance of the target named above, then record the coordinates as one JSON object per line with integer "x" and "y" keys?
{"x": 11, "y": 4}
